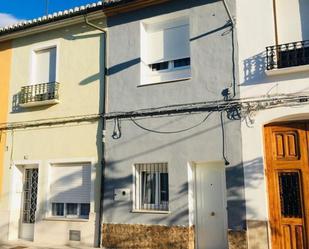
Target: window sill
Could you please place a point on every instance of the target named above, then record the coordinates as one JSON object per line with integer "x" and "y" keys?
{"x": 150, "y": 211}
{"x": 164, "y": 82}
{"x": 287, "y": 70}
{"x": 41, "y": 103}
{"x": 65, "y": 219}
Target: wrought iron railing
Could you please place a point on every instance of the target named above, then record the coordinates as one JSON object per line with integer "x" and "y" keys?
{"x": 287, "y": 55}
{"x": 39, "y": 92}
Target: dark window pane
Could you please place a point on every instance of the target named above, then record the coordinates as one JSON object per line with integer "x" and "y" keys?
{"x": 148, "y": 188}
{"x": 85, "y": 209}
{"x": 182, "y": 62}
{"x": 164, "y": 187}
{"x": 290, "y": 194}
{"x": 58, "y": 209}
{"x": 72, "y": 208}
{"x": 290, "y": 57}
{"x": 159, "y": 66}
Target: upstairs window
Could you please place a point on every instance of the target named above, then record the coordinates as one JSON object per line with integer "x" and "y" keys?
{"x": 45, "y": 65}
{"x": 165, "y": 51}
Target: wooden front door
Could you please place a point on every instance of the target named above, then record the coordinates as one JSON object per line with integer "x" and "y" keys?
{"x": 287, "y": 170}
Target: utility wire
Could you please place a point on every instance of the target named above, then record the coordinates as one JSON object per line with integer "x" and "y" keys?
{"x": 117, "y": 129}
{"x": 223, "y": 140}
{"x": 247, "y": 104}
{"x": 172, "y": 132}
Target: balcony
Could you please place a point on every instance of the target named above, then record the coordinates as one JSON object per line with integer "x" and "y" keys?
{"x": 40, "y": 94}
{"x": 287, "y": 58}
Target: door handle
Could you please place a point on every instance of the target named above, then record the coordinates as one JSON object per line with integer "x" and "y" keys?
{"x": 212, "y": 214}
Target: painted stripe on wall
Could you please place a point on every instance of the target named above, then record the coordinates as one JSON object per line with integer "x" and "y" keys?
{"x": 5, "y": 73}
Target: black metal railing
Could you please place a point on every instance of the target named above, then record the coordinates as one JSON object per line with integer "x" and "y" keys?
{"x": 39, "y": 92}
{"x": 287, "y": 55}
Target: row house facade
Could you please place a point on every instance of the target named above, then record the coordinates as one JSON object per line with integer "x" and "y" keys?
{"x": 51, "y": 88}
{"x": 157, "y": 124}
{"x": 104, "y": 139}
{"x": 173, "y": 170}
{"x": 273, "y": 75}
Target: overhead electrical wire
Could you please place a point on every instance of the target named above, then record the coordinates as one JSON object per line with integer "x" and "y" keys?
{"x": 172, "y": 132}
{"x": 246, "y": 105}
{"x": 223, "y": 140}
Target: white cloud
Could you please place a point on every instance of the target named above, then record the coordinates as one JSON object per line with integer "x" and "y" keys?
{"x": 7, "y": 19}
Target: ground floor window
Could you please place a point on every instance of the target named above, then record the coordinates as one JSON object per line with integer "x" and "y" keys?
{"x": 151, "y": 186}
{"x": 70, "y": 191}
{"x": 71, "y": 210}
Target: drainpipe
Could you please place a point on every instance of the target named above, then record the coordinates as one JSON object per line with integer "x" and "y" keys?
{"x": 233, "y": 46}
{"x": 103, "y": 128}
{"x": 275, "y": 22}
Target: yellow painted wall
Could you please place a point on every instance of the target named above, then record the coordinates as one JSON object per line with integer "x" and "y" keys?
{"x": 5, "y": 69}
{"x": 80, "y": 76}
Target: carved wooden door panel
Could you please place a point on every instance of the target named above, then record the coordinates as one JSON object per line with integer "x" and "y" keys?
{"x": 286, "y": 150}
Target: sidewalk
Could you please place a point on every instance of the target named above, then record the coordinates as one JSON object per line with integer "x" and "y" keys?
{"x": 31, "y": 245}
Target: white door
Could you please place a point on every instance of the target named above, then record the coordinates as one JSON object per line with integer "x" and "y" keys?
{"x": 29, "y": 203}
{"x": 210, "y": 206}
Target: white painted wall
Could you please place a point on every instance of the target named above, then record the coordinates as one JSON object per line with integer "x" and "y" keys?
{"x": 292, "y": 18}
{"x": 255, "y": 30}
{"x": 289, "y": 21}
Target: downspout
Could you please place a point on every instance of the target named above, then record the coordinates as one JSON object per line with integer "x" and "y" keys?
{"x": 232, "y": 22}
{"x": 103, "y": 128}
{"x": 275, "y": 22}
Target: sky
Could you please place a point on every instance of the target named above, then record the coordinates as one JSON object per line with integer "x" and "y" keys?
{"x": 12, "y": 11}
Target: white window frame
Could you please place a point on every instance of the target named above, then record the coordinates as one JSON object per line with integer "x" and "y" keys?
{"x": 39, "y": 47}
{"x": 167, "y": 75}
{"x": 69, "y": 216}
{"x": 137, "y": 189}
{"x": 48, "y": 204}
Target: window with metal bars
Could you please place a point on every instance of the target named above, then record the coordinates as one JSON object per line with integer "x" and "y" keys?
{"x": 290, "y": 194}
{"x": 30, "y": 195}
{"x": 151, "y": 186}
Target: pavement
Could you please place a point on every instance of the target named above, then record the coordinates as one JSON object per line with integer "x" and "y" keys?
{"x": 31, "y": 245}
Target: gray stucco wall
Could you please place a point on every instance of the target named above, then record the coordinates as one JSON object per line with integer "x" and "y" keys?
{"x": 211, "y": 67}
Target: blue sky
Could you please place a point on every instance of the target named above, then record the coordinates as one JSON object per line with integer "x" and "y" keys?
{"x": 14, "y": 10}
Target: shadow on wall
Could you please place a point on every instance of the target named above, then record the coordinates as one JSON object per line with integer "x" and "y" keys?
{"x": 118, "y": 177}
{"x": 304, "y": 18}
{"x": 254, "y": 69}
{"x": 236, "y": 202}
{"x": 165, "y": 8}
{"x": 116, "y": 208}
{"x": 44, "y": 204}
{"x": 16, "y": 108}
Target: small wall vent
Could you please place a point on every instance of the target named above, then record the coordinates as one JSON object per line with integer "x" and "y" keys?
{"x": 74, "y": 235}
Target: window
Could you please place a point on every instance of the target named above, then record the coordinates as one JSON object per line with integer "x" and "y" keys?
{"x": 45, "y": 65}
{"x": 151, "y": 187}
{"x": 58, "y": 209}
{"x": 170, "y": 65}
{"x": 165, "y": 50}
{"x": 71, "y": 210}
{"x": 70, "y": 191}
